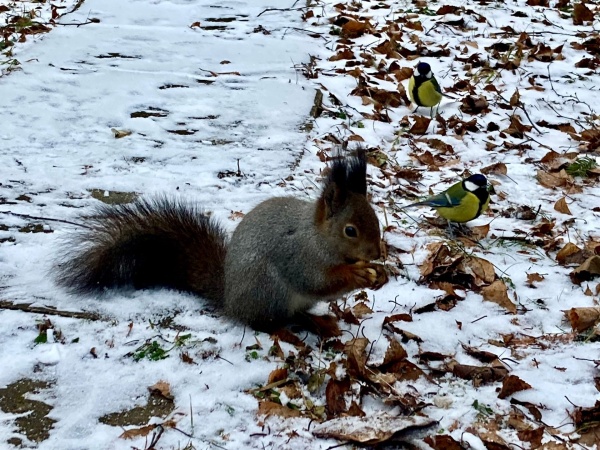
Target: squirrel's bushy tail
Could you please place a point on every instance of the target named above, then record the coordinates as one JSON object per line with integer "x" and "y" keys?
{"x": 155, "y": 242}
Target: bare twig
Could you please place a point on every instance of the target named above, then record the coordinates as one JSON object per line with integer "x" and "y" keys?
{"x": 27, "y": 216}
{"x": 302, "y": 8}
{"x": 26, "y": 307}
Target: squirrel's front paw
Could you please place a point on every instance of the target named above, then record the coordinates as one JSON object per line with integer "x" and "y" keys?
{"x": 369, "y": 275}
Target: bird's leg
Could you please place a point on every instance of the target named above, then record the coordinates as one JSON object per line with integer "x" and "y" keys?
{"x": 450, "y": 231}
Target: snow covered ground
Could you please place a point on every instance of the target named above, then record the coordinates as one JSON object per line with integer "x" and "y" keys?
{"x": 212, "y": 108}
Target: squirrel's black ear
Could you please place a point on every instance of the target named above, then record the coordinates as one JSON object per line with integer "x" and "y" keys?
{"x": 357, "y": 173}
{"x": 345, "y": 175}
{"x": 335, "y": 191}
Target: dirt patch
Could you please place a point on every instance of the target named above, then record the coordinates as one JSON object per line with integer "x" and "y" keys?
{"x": 113, "y": 197}
{"x": 34, "y": 422}
{"x": 157, "y": 406}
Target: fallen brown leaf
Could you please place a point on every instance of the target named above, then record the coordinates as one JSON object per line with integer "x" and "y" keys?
{"x": 480, "y": 269}
{"x": 581, "y": 14}
{"x": 562, "y": 207}
{"x": 481, "y": 355}
{"x": 570, "y": 254}
{"x": 497, "y": 292}
{"x": 534, "y": 278}
{"x": 355, "y": 410}
{"x": 586, "y": 271}
{"x": 480, "y": 232}
{"x": 497, "y": 168}
{"x": 268, "y": 409}
{"x": 395, "y": 352}
{"x": 277, "y": 375}
{"x": 353, "y": 29}
{"x": 361, "y": 309}
{"x": 478, "y": 374}
{"x": 534, "y": 437}
{"x": 356, "y": 360}
{"x": 162, "y": 388}
{"x": 138, "y": 432}
{"x": 533, "y": 409}
{"x": 369, "y": 430}
{"x": 583, "y": 318}
{"x": 420, "y": 126}
{"x": 512, "y": 384}
{"x": 334, "y": 396}
{"x": 442, "y": 442}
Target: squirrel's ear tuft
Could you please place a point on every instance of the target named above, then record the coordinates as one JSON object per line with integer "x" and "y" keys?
{"x": 346, "y": 175}
{"x": 357, "y": 173}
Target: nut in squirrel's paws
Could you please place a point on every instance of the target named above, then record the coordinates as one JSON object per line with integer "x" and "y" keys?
{"x": 370, "y": 275}
{"x": 381, "y": 276}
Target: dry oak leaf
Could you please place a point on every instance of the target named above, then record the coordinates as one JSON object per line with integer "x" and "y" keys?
{"x": 395, "y": 352}
{"x": 353, "y": 28}
{"x": 534, "y": 437}
{"x": 497, "y": 169}
{"x": 586, "y": 271}
{"x": 267, "y": 409}
{"x": 138, "y": 432}
{"x": 403, "y": 370}
{"x": 534, "y": 278}
{"x": 512, "y": 384}
{"x": 420, "y": 126}
{"x": 562, "y": 207}
{"x": 334, "y": 395}
{"x": 583, "y": 318}
{"x": 118, "y": 134}
{"x": 277, "y": 375}
{"x": 442, "y": 442}
{"x": 586, "y": 421}
{"x": 570, "y": 254}
{"x": 480, "y": 232}
{"x": 490, "y": 437}
{"x": 553, "y": 180}
{"x": 581, "y": 13}
{"x": 497, "y": 292}
{"x": 403, "y": 73}
{"x": 403, "y": 317}
{"x": 286, "y": 335}
{"x": 356, "y": 360}
{"x": 481, "y": 355}
{"x": 355, "y": 410}
{"x": 370, "y": 430}
{"x": 517, "y": 129}
{"x": 146, "y": 430}
{"x": 343, "y": 54}
{"x": 361, "y": 309}
{"x": 478, "y": 374}
{"x": 474, "y": 105}
{"x": 162, "y": 388}
{"x": 480, "y": 269}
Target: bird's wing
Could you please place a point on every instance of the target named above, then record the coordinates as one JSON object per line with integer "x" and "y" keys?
{"x": 411, "y": 88}
{"x": 436, "y": 85}
{"x": 442, "y": 200}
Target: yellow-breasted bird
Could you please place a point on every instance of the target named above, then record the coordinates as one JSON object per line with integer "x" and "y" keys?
{"x": 423, "y": 88}
{"x": 461, "y": 202}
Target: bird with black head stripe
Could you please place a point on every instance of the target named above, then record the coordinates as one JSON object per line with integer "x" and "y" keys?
{"x": 461, "y": 202}
{"x": 423, "y": 88}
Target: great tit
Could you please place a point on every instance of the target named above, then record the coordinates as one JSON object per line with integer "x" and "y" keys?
{"x": 461, "y": 202}
{"x": 423, "y": 88}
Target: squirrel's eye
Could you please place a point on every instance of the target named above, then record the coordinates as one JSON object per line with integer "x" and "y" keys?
{"x": 350, "y": 231}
